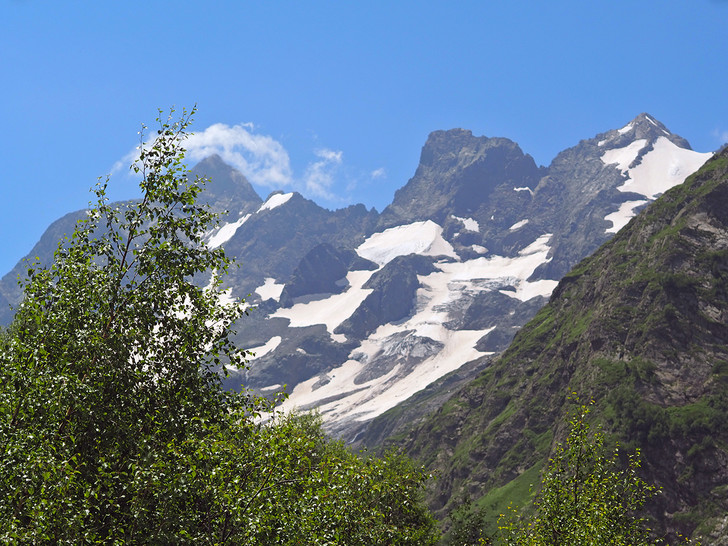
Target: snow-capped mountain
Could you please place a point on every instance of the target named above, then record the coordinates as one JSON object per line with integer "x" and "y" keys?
{"x": 357, "y": 311}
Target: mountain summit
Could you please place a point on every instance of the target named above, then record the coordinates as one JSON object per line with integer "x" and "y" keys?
{"x": 458, "y": 175}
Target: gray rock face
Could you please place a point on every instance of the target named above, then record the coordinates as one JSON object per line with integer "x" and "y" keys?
{"x": 42, "y": 252}
{"x": 322, "y": 271}
{"x": 272, "y": 242}
{"x": 461, "y": 175}
{"x": 227, "y": 188}
{"x": 393, "y": 296}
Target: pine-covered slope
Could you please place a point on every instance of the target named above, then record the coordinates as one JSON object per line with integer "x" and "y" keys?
{"x": 642, "y": 327}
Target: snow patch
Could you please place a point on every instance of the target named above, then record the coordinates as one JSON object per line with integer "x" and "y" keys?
{"x": 527, "y": 290}
{"x": 479, "y": 249}
{"x": 269, "y": 346}
{"x": 330, "y": 311}
{"x": 275, "y": 201}
{"x": 518, "y": 225}
{"x": 627, "y": 128}
{"x": 469, "y": 223}
{"x": 269, "y": 388}
{"x": 620, "y": 218}
{"x": 665, "y": 166}
{"x": 270, "y": 290}
{"x": 624, "y": 157}
{"x": 419, "y": 237}
{"x": 226, "y": 232}
{"x": 529, "y": 190}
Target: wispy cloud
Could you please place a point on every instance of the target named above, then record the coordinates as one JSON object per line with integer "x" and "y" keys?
{"x": 378, "y": 173}
{"x": 319, "y": 175}
{"x": 266, "y": 162}
{"x": 721, "y": 136}
{"x": 262, "y": 159}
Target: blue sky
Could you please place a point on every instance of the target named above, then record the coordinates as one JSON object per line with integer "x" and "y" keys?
{"x": 334, "y": 99}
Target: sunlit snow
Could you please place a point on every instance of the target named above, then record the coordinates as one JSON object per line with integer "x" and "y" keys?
{"x": 225, "y": 233}
{"x": 665, "y": 166}
{"x": 435, "y": 298}
{"x": 620, "y": 218}
{"x": 524, "y": 188}
{"x": 623, "y": 157}
{"x": 270, "y": 388}
{"x": 275, "y": 201}
{"x": 518, "y": 225}
{"x": 626, "y": 128}
{"x": 332, "y": 310}
{"x": 423, "y": 238}
{"x": 269, "y": 346}
{"x": 469, "y": 223}
{"x": 374, "y": 397}
{"x": 270, "y": 289}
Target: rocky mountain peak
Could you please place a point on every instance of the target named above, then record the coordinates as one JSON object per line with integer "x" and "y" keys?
{"x": 643, "y": 127}
{"x": 457, "y": 172}
{"x": 445, "y": 150}
{"x": 227, "y": 189}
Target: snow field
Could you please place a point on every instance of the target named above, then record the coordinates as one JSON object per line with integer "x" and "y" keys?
{"x": 665, "y": 166}
{"x": 662, "y": 168}
{"x": 270, "y": 289}
{"x": 623, "y": 157}
{"x": 332, "y": 310}
{"x": 275, "y": 201}
{"x": 419, "y": 237}
{"x": 438, "y": 292}
{"x": 367, "y": 400}
{"x": 226, "y": 232}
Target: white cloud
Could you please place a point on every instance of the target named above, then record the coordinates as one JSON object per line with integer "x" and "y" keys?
{"x": 262, "y": 159}
{"x": 378, "y": 173}
{"x": 722, "y": 136}
{"x": 319, "y": 176}
{"x": 125, "y": 161}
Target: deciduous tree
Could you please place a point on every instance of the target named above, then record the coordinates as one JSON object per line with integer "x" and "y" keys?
{"x": 114, "y": 427}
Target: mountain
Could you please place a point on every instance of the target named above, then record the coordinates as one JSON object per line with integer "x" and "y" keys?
{"x": 640, "y": 327}
{"x": 357, "y": 310}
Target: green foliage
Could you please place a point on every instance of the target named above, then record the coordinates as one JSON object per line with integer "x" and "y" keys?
{"x": 585, "y": 498}
{"x": 333, "y": 496}
{"x": 468, "y": 525}
{"x": 114, "y": 427}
